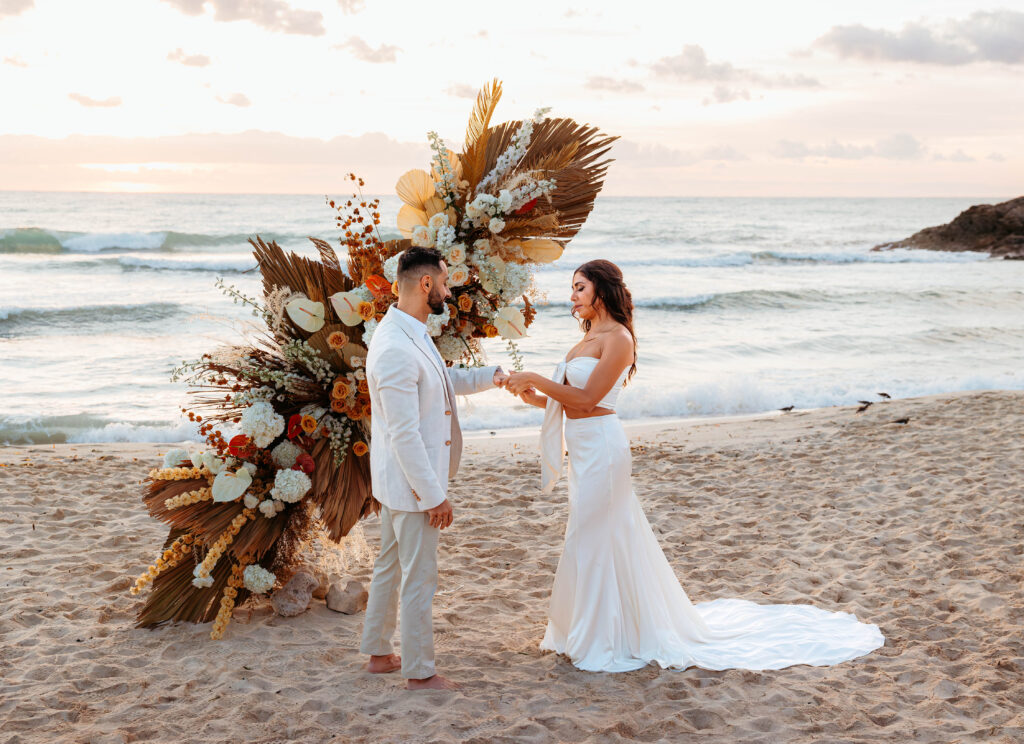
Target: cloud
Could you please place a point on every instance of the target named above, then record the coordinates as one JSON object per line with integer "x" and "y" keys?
{"x": 633, "y": 154}
{"x": 92, "y": 102}
{"x": 600, "y": 82}
{"x": 351, "y": 7}
{"x": 236, "y": 99}
{"x": 189, "y": 60}
{"x": 693, "y": 66}
{"x": 15, "y": 62}
{"x": 461, "y": 90}
{"x": 363, "y": 51}
{"x": 14, "y": 7}
{"x": 273, "y": 15}
{"x": 896, "y": 147}
{"x": 984, "y": 36}
{"x": 956, "y": 157}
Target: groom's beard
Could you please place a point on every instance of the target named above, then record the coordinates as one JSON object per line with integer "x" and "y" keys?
{"x": 436, "y": 301}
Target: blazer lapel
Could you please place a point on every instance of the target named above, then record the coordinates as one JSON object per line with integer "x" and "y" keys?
{"x": 434, "y": 359}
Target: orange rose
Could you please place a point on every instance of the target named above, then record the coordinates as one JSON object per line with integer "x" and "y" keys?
{"x": 354, "y": 413}
{"x": 363, "y": 387}
{"x": 360, "y": 449}
{"x": 366, "y": 310}
{"x": 341, "y": 389}
{"x": 465, "y": 303}
{"x": 309, "y": 424}
{"x": 337, "y": 340}
{"x": 338, "y": 406}
{"x": 366, "y": 410}
{"x": 490, "y": 331}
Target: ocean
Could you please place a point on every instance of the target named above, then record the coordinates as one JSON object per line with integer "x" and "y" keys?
{"x": 744, "y": 305}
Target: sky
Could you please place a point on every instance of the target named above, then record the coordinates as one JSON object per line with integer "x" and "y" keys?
{"x": 789, "y": 98}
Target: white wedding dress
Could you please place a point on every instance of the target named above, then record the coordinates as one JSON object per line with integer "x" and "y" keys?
{"x": 617, "y": 605}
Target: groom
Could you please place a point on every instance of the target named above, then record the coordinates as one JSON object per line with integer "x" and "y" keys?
{"x": 417, "y": 443}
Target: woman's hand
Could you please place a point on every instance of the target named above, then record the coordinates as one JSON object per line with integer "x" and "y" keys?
{"x": 530, "y": 396}
{"x": 519, "y": 382}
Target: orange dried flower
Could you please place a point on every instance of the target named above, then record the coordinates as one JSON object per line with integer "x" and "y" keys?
{"x": 309, "y": 424}
{"x": 366, "y": 310}
{"x": 360, "y": 449}
{"x": 337, "y": 340}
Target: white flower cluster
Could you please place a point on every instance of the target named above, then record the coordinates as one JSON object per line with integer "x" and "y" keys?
{"x": 201, "y": 582}
{"x": 174, "y": 456}
{"x": 391, "y": 267}
{"x": 208, "y": 460}
{"x": 261, "y": 423}
{"x": 370, "y": 326}
{"x": 290, "y": 486}
{"x": 445, "y": 188}
{"x": 339, "y": 434}
{"x": 485, "y": 208}
{"x": 529, "y": 191}
{"x": 257, "y": 579}
{"x": 451, "y": 347}
{"x": 436, "y": 322}
{"x": 300, "y": 351}
{"x": 285, "y": 454}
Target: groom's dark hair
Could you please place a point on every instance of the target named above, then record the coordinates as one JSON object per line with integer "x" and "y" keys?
{"x": 416, "y": 261}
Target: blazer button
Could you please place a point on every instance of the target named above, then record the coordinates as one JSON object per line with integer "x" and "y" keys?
{"x": 447, "y": 413}
{"x": 415, "y": 496}
{"x": 448, "y": 443}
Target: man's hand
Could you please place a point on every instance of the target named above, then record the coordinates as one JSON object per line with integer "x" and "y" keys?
{"x": 500, "y": 377}
{"x": 517, "y": 382}
{"x": 441, "y": 516}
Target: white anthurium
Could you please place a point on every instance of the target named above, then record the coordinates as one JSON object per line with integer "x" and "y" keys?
{"x": 197, "y": 459}
{"x": 213, "y": 463}
{"x": 228, "y": 486}
{"x": 346, "y": 307}
{"x": 510, "y": 323}
{"x": 306, "y": 314}
{"x": 542, "y": 250}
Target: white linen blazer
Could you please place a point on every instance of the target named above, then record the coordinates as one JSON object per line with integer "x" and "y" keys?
{"x": 415, "y": 439}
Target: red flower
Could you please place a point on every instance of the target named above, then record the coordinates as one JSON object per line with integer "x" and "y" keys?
{"x": 304, "y": 462}
{"x": 241, "y": 446}
{"x": 294, "y": 425}
{"x": 379, "y": 286}
{"x": 526, "y": 207}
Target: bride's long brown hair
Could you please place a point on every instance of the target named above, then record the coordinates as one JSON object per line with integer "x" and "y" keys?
{"x": 610, "y": 288}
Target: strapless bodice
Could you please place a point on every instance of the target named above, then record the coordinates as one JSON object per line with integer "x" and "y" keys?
{"x": 578, "y": 371}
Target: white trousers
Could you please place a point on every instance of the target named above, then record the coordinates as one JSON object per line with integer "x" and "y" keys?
{"x": 406, "y": 569}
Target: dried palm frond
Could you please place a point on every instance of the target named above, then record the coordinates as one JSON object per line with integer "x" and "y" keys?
{"x": 327, "y": 254}
{"x": 572, "y": 154}
{"x": 478, "y": 132}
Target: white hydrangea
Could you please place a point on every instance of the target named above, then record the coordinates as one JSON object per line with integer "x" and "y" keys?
{"x": 257, "y": 579}
{"x": 364, "y": 293}
{"x": 173, "y": 457}
{"x": 515, "y": 281}
{"x": 370, "y": 326}
{"x": 451, "y": 348}
{"x": 391, "y": 267}
{"x": 285, "y": 454}
{"x": 496, "y": 225}
{"x": 436, "y": 322}
{"x": 290, "y": 485}
{"x": 267, "y": 508}
{"x": 201, "y": 582}
{"x": 261, "y": 423}
{"x": 251, "y": 501}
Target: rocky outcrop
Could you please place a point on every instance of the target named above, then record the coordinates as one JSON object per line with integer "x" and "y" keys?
{"x": 294, "y": 597}
{"x": 350, "y": 600}
{"x": 996, "y": 229}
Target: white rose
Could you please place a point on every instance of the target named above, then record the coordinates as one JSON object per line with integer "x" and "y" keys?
{"x": 458, "y": 275}
{"x": 457, "y": 254}
{"x": 438, "y": 220}
{"x": 423, "y": 236}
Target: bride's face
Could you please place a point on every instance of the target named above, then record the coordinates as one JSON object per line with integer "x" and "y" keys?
{"x": 582, "y": 298}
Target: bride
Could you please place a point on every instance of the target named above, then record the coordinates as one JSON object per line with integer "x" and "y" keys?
{"x": 616, "y": 604}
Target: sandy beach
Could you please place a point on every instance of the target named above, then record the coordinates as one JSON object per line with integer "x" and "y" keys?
{"x": 913, "y": 526}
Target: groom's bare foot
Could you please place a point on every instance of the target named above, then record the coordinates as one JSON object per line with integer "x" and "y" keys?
{"x": 384, "y": 664}
{"x": 437, "y": 682}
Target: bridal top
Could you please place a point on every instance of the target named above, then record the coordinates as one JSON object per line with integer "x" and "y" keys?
{"x": 574, "y": 372}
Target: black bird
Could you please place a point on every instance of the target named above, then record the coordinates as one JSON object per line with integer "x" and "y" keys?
{"x": 865, "y": 402}
{"x": 885, "y": 395}
{"x": 902, "y": 420}
{"x": 787, "y": 409}
{"x": 865, "y": 406}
